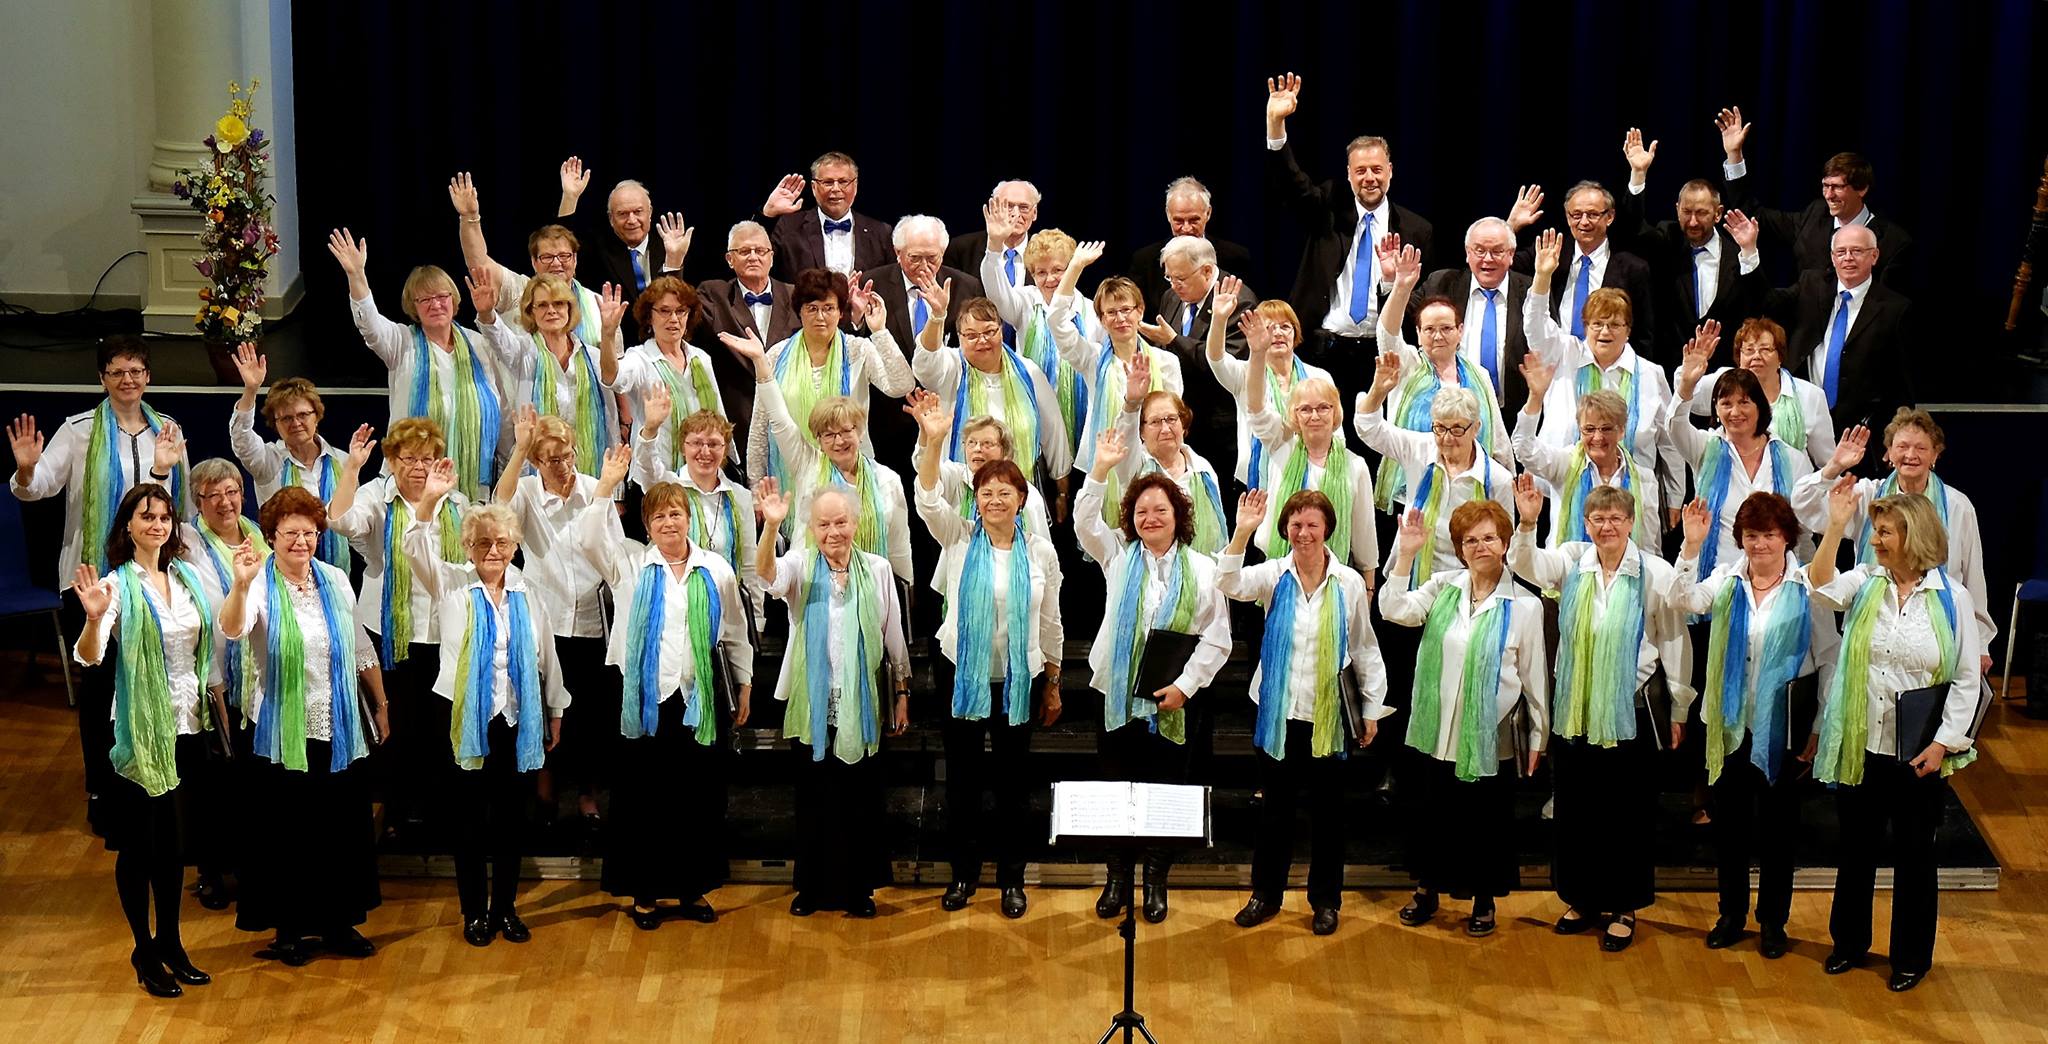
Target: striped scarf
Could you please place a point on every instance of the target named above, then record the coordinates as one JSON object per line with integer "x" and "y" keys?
{"x": 1579, "y": 478}
{"x": 692, "y": 389}
{"x": 145, "y": 725}
{"x": 281, "y": 724}
{"x": 1280, "y": 398}
{"x": 104, "y": 485}
{"x": 803, "y": 385}
{"x": 1020, "y": 409}
{"x": 395, "y": 643}
{"x": 470, "y": 720}
{"x": 1936, "y": 493}
{"x": 1845, "y": 722}
{"x": 1336, "y": 485}
{"x": 1717, "y": 469}
{"x": 592, "y": 408}
{"x": 472, "y": 434}
{"x": 1037, "y": 347}
{"x": 640, "y": 710}
{"x": 333, "y": 547}
{"x": 1176, "y": 612}
{"x": 861, "y": 649}
{"x": 1731, "y": 704}
{"x": 1596, "y": 656}
{"x": 1276, "y": 666}
{"x": 1478, "y": 695}
{"x": 1413, "y": 401}
{"x": 239, "y": 668}
{"x": 1433, "y": 493}
{"x": 975, "y": 622}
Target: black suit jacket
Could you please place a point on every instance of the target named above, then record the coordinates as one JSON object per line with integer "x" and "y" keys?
{"x": 1625, "y": 272}
{"x": 724, "y": 310}
{"x": 1214, "y": 433}
{"x": 1151, "y": 280}
{"x": 1810, "y": 234}
{"x": 799, "y": 241}
{"x": 1677, "y": 310}
{"x": 1328, "y": 216}
{"x": 894, "y": 433}
{"x": 1873, "y": 382}
{"x": 1456, "y": 284}
{"x": 603, "y": 259}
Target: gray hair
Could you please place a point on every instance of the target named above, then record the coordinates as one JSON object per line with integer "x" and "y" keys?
{"x": 1188, "y": 187}
{"x": 832, "y": 159}
{"x": 733, "y": 233}
{"x": 215, "y": 469}
{"x": 1194, "y": 250}
{"x": 1605, "y": 404}
{"x": 819, "y": 493}
{"x": 1489, "y": 224}
{"x": 1454, "y": 405}
{"x": 983, "y": 420}
{"x": 496, "y": 517}
{"x": 1701, "y": 185}
{"x": 622, "y": 186}
{"x": 1029, "y": 189}
{"x": 1370, "y": 141}
{"x": 911, "y": 224}
{"x": 1590, "y": 186}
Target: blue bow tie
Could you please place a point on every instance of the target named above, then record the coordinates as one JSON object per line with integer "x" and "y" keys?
{"x": 766, "y": 297}
{"x": 843, "y": 225}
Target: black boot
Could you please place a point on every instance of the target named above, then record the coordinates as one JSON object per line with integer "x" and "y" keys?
{"x": 1156, "y": 867}
{"x": 1115, "y": 896}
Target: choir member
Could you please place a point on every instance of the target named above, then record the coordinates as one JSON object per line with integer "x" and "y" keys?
{"x": 545, "y": 363}
{"x": 1284, "y": 368}
{"x": 1307, "y": 452}
{"x": 300, "y": 456}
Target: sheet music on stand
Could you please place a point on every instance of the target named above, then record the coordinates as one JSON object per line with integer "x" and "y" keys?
{"x": 1121, "y": 810}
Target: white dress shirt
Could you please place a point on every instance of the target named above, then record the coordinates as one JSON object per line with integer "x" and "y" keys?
{"x": 1812, "y": 403}
{"x": 1414, "y": 453}
{"x": 873, "y": 362}
{"x": 623, "y": 563}
{"x": 1362, "y": 656}
{"x": 707, "y": 510}
{"x": 772, "y": 420}
{"x": 265, "y": 461}
{"x": 1568, "y": 289}
{"x": 1904, "y": 657}
{"x": 953, "y": 534}
{"x": 1692, "y": 445}
{"x": 838, "y": 244}
{"x": 1524, "y": 671}
{"x": 1232, "y": 372}
{"x": 1567, "y": 355}
{"x": 1211, "y": 620}
{"x": 1823, "y": 644}
{"x": 393, "y": 345}
{"x": 1664, "y": 635}
{"x": 62, "y": 469}
{"x": 556, "y": 573}
{"x": 641, "y": 371}
{"x": 363, "y": 527}
{"x": 1364, "y": 551}
{"x": 452, "y": 585}
{"x": 941, "y": 372}
{"x": 1086, "y": 357}
{"x": 1338, "y": 319}
{"x": 178, "y": 620}
{"x": 304, "y": 604}
{"x": 1857, "y": 295}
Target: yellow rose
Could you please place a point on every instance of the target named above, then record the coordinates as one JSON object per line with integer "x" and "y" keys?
{"x": 229, "y": 132}
{"x": 230, "y": 315}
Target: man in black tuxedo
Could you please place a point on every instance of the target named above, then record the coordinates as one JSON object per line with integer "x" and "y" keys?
{"x": 1188, "y": 211}
{"x": 1845, "y": 181}
{"x": 1017, "y": 203}
{"x": 1338, "y": 289}
{"x": 751, "y": 302}
{"x": 623, "y": 252}
{"x": 1693, "y": 260}
{"x": 1489, "y": 294}
{"x": 1848, "y": 331}
{"x": 1595, "y": 262}
{"x": 1181, "y": 324}
{"x": 831, "y": 235}
{"x": 920, "y": 245}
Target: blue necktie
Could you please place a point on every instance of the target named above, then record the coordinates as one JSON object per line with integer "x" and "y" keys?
{"x": 1489, "y": 338}
{"x": 639, "y": 273}
{"x": 920, "y": 314}
{"x": 765, "y": 297}
{"x": 1361, "y": 273}
{"x": 842, "y": 225}
{"x": 1187, "y": 320}
{"x": 1010, "y": 266}
{"x": 1579, "y": 292}
{"x": 1838, "y": 332}
{"x": 1699, "y": 305}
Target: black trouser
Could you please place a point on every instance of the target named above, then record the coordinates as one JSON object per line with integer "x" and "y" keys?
{"x": 840, "y": 815}
{"x": 1889, "y": 794}
{"x": 971, "y": 770}
{"x": 94, "y": 691}
{"x": 1134, "y": 752}
{"x": 488, "y": 815}
{"x": 1461, "y": 835}
{"x": 409, "y": 767}
{"x": 1605, "y": 817}
{"x": 1282, "y": 781}
{"x": 1754, "y": 815}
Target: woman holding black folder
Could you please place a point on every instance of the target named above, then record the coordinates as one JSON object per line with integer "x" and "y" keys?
{"x": 1481, "y": 657}
{"x": 1763, "y": 648}
{"x": 1897, "y": 718}
{"x": 1165, "y": 633}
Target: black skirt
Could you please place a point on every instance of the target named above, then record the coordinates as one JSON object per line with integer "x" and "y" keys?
{"x": 589, "y": 754}
{"x": 1606, "y": 821}
{"x": 309, "y": 862}
{"x": 1461, "y": 836}
{"x": 842, "y": 854}
{"x": 160, "y": 826}
{"x": 666, "y": 835}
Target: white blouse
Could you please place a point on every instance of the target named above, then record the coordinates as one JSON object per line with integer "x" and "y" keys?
{"x": 1903, "y": 656}
{"x": 1085, "y": 357}
{"x": 874, "y": 361}
{"x": 319, "y": 645}
{"x": 1567, "y": 355}
{"x": 1048, "y": 640}
{"x": 265, "y": 461}
{"x": 1411, "y": 357}
{"x": 1211, "y": 620}
{"x": 1365, "y": 536}
{"x": 602, "y": 544}
{"x": 1231, "y": 372}
{"x": 651, "y": 468}
{"x": 450, "y": 585}
{"x": 1524, "y": 672}
{"x": 179, "y": 620}
{"x": 1813, "y": 406}
{"x": 1823, "y": 642}
{"x": 841, "y": 616}
{"x": 771, "y": 417}
{"x": 393, "y": 345}
{"x": 363, "y": 526}
{"x": 557, "y": 573}
{"x": 1415, "y": 452}
{"x": 1551, "y": 464}
{"x": 1362, "y": 657}
{"x": 1664, "y": 635}
{"x": 942, "y": 371}
{"x": 1692, "y": 445}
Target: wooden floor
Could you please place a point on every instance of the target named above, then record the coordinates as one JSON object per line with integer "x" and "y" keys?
{"x": 920, "y": 974}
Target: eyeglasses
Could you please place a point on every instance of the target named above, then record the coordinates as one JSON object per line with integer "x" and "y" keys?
{"x": 670, "y": 313}
{"x": 1586, "y": 215}
{"x": 1315, "y": 409}
{"x": 129, "y": 374}
{"x": 566, "y": 460}
{"x": 1439, "y": 331}
{"x": 1490, "y": 253}
{"x": 1453, "y": 431}
{"x": 1607, "y": 521}
{"x": 413, "y": 462}
{"x": 1016, "y": 208}
{"x": 1171, "y": 420}
{"x": 1480, "y": 540}
{"x": 838, "y": 433}
{"x": 707, "y": 442}
{"x": 819, "y": 310}
{"x": 493, "y": 544}
{"x": 298, "y": 417}
{"x": 981, "y": 445}
{"x": 219, "y": 495}
{"x": 1597, "y": 431}
{"x": 432, "y": 299}
{"x": 1606, "y": 324}
{"x": 1122, "y": 313}
{"x": 1845, "y": 253}
{"x": 751, "y": 251}
{"x": 561, "y": 258}
{"x": 839, "y": 183}
{"x": 1174, "y": 280}
{"x": 290, "y": 537}
{"x": 992, "y": 335}
{"x": 921, "y": 258}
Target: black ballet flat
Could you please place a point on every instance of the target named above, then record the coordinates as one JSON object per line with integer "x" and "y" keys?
{"x": 1727, "y": 932}
{"x": 1905, "y": 980}
{"x": 862, "y": 908}
{"x": 347, "y": 942}
{"x": 1325, "y": 921}
{"x": 292, "y": 953}
{"x": 1013, "y": 902}
{"x": 1115, "y": 896}
{"x": 151, "y": 974}
{"x": 1613, "y": 943}
{"x": 1839, "y": 962}
{"x": 956, "y": 895}
{"x": 1421, "y": 907}
{"x": 511, "y": 927}
{"x": 646, "y": 920}
{"x": 698, "y": 911}
{"x": 1570, "y": 925}
{"x": 180, "y": 966}
{"x": 1480, "y": 925}
{"x": 477, "y": 931}
{"x": 212, "y": 894}
{"x": 1773, "y": 942}
{"x": 1256, "y": 911}
{"x": 801, "y": 905}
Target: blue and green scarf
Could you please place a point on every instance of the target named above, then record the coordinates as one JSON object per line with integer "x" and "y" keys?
{"x": 105, "y": 485}
{"x": 1717, "y": 469}
{"x": 470, "y": 721}
{"x": 1413, "y": 400}
{"x": 145, "y": 724}
{"x": 1731, "y": 703}
{"x": 810, "y": 643}
{"x": 1020, "y": 409}
{"x": 280, "y": 735}
{"x": 975, "y": 629}
{"x": 394, "y": 645}
{"x": 333, "y": 546}
{"x": 472, "y": 433}
{"x": 239, "y": 669}
{"x": 593, "y": 411}
{"x": 640, "y": 710}
{"x": 1276, "y": 667}
{"x": 1478, "y": 694}
{"x": 1845, "y": 722}
{"x": 1176, "y": 612}
{"x": 1596, "y": 656}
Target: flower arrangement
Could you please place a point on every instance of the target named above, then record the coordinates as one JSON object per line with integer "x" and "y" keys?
{"x": 238, "y": 240}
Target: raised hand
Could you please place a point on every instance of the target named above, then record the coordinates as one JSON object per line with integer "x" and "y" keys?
{"x": 1528, "y": 500}
{"x": 360, "y": 445}
{"x": 1386, "y": 250}
{"x": 1697, "y": 353}
{"x": 748, "y": 347}
{"x": 251, "y": 364}
{"x": 787, "y": 198}
{"x": 770, "y": 504}
{"x": 440, "y": 479}
{"x": 1537, "y": 375}
{"x": 1386, "y": 374}
{"x": 1137, "y": 377}
{"x": 1848, "y": 452}
{"x": 93, "y": 596}
{"x": 1225, "y": 301}
{"x": 1251, "y": 511}
{"x": 1549, "y": 248}
{"x": 1527, "y": 208}
{"x": 574, "y": 178}
{"x": 1743, "y": 228}
{"x": 524, "y": 424}
{"x": 1258, "y": 337}
{"x": 1414, "y": 535}
{"x": 611, "y": 308}
{"x": 1733, "y": 132}
{"x": 1159, "y": 333}
{"x": 1638, "y": 155}
{"x": 462, "y": 194}
{"x": 246, "y": 564}
{"x": 1283, "y": 96}
{"x": 354, "y": 254}
{"x": 656, "y": 405}
{"x": 936, "y": 296}
{"x": 1086, "y": 253}
{"x": 995, "y": 222}
{"x": 1843, "y": 502}
{"x": 25, "y": 441}
{"x": 618, "y": 460}
{"x": 868, "y": 307}
{"x": 483, "y": 291}
{"x": 934, "y": 420}
{"x": 1407, "y": 267}
{"x": 675, "y": 237}
{"x": 1111, "y": 449}
{"x": 1699, "y": 525}
{"x": 170, "y": 448}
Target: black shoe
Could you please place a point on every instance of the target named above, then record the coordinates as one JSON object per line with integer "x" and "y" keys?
{"x": 1572, "y": 923}
{"x": 863, "y": 907}
{"x": 152, "y": 975}
{"x": 292, "y": 953}
{"x": 956, "y": 896}
{"x": 1421, "y": 907}
{"x": 1155, "y": 903}
{"x": 1614, "y": 942}
{"x": 1013, "y": 902}
{"x": 172, "y": 954}
{"x": 1480, "y": 924}
{"x": 1839, "y": 962}
{"x": 1727, "y": 932}
{"x": 511, "y": 927}
{"x": 1904, "y": 980}
{"x": 1325, "y": 921}
{"x": 646, "y": 920}
{"x": 801, "y": 905}
{"x": 1256, "y": 912}
{"x": 348, "y": 942}
{"x": 1774, "y": 941}
{"x": 211, "y": 893}
{"x": 478, "y": 931}
{"x": 698, "y": 911}
{"x": 1113, "y": 899}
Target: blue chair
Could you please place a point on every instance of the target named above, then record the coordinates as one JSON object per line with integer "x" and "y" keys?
{"x": 20, "y": 596}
